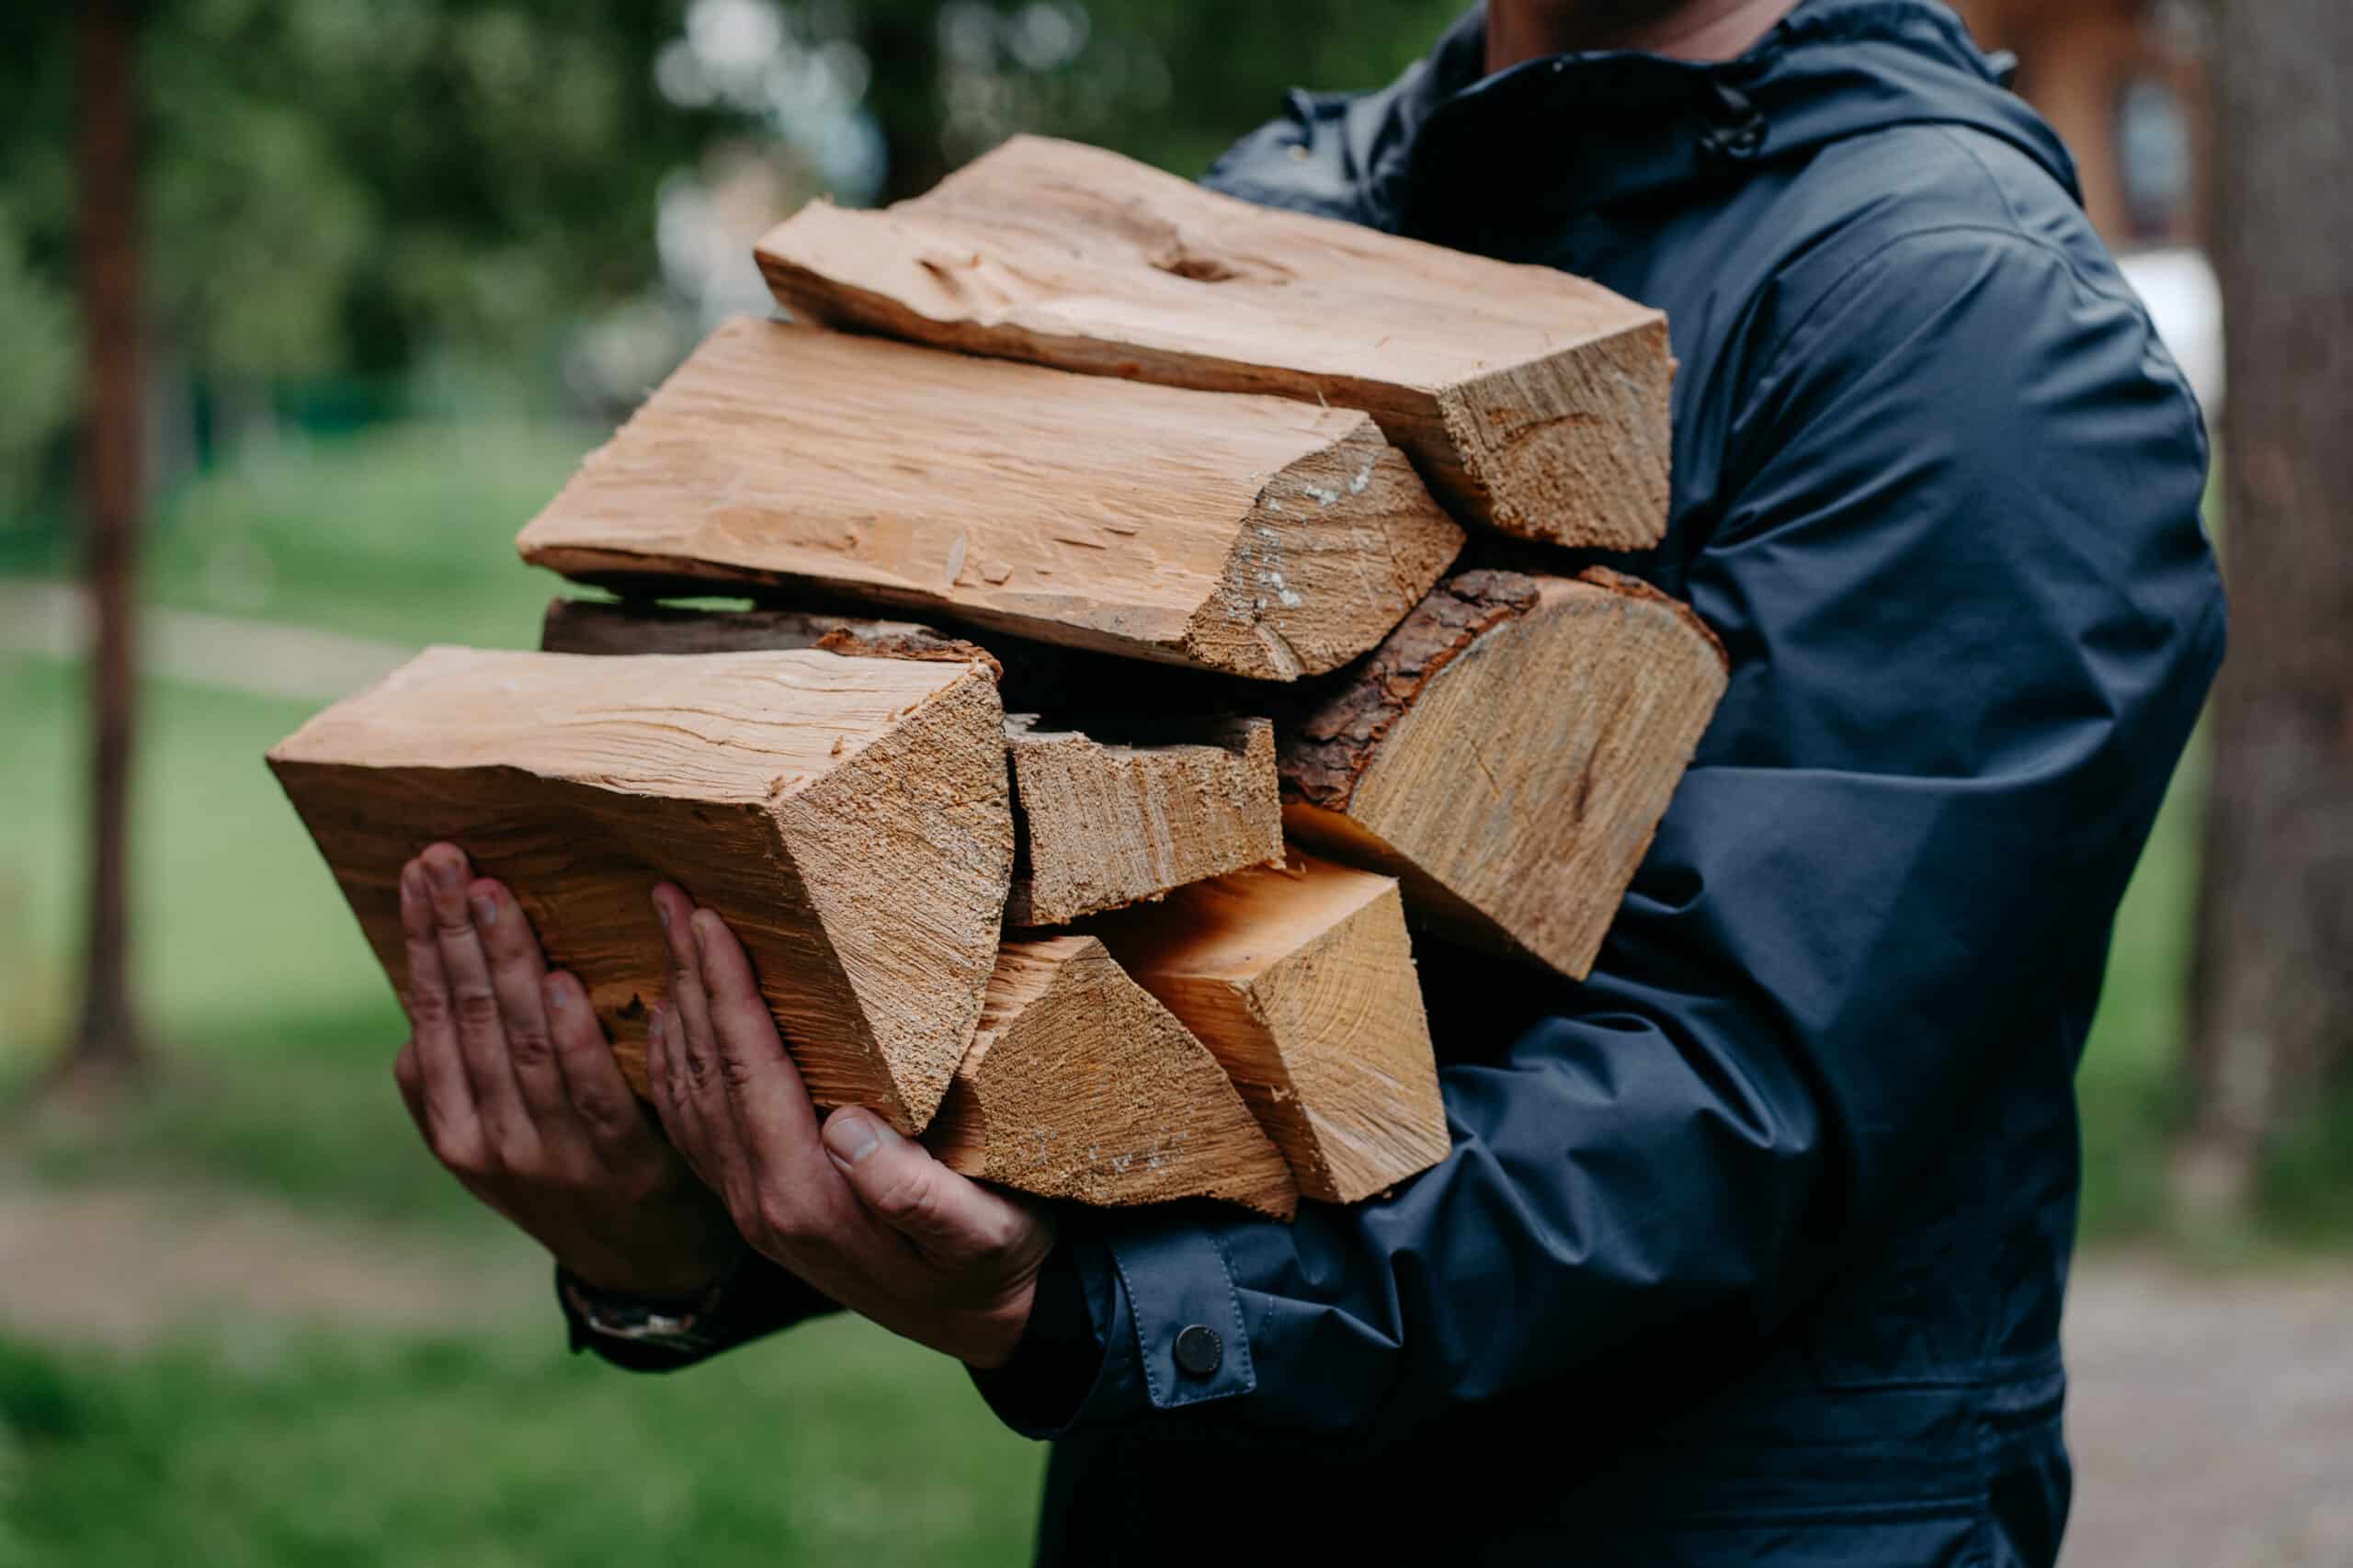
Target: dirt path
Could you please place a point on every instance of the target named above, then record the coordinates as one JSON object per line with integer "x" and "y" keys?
{"x": 125, "y": 1268}
{"x": 2212, "y": 1419}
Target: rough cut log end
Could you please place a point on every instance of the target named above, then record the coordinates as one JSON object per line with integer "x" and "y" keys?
{"x": 1301, "y": 981}
{"x": 1570, "y": 448}
{"x": 1105, "y": 823}
{"x": 1080, "y": 1085}
{"x": 806, "y": 798}
{"x": 1507, "y": 754}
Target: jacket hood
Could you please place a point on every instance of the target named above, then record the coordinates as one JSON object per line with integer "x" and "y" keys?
{"x": 1628, "y": 126}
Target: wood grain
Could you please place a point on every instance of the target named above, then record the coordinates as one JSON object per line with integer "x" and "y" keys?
{"x": 849, "y": 818}
{"x": 1507, "y": 752}
{"x": 1301, "y": 981}
{"x": 1253, "y": 536}
{"x": 1107, "y": 823}
{"x": 1080, "y": 1085}
{"x": 1530, "y": 400}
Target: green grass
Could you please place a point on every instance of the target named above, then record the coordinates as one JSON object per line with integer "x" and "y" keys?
{"x": 406, "y": 533}
{"x": 835, "y": 1445}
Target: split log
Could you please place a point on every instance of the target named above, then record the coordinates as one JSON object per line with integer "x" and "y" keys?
{"x": 1507, "y": 754}
{"x": 1530, "y": 400}
{"x": 849, "y": 818}
{"x": 1080, "y": 1085}
{"x": 1097, "y": 823}
{"x": 1254, "y": 536}
{"x": 1300, "y": 982}
{"x": 1104, "y": 825}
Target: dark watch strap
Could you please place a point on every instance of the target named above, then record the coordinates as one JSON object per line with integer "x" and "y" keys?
{"x": 689, "y": 1325}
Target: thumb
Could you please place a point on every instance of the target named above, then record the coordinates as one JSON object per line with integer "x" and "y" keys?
{"x": 902, "y": 1185}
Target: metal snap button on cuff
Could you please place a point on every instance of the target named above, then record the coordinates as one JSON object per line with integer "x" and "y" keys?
{"x": 1198, "y": 1350}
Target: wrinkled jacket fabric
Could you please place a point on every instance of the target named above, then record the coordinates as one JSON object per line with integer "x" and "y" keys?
{"x": 1751, "y": 1247}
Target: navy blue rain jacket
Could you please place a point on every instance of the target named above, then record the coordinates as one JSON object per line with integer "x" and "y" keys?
{"x": 1750, "y": 1249}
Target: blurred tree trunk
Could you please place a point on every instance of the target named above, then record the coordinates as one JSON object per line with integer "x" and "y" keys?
{"x": 2273, "y": 1006}
{"x": 902, "y": 41}
{"x": 107, "y": 1039}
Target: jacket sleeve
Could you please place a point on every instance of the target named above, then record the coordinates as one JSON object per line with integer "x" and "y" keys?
{"x": 1973, "y": 616}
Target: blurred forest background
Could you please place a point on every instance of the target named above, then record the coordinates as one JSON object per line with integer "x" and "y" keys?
{"x": 399, "y": 266}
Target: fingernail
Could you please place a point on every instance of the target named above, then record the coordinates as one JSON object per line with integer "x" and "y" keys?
{"x": 849, "y": 1137}
{"x": 485, "y": 910}
{"x": 653, "y": 1027}
{"x": 445, "y": 873}
{"x": 409, "y": 891}
{"x": 662, "y": 913}
{"x": 552, "y": 992}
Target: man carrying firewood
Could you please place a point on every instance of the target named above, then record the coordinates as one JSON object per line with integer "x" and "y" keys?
{"x": 1749, "y": 1249}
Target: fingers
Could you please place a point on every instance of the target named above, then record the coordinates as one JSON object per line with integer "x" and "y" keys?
{"x": 691, "y": 1043}
{"x": 449, "y": 1116}
{"x": 482, "y": 1036}
{"x": 771, "y": 1102}
{"x": 600, "y": 1095}
{"x": 903, "y": 1185}
{"x": 409, "y": 1077}
{"x": 516, "y": 968}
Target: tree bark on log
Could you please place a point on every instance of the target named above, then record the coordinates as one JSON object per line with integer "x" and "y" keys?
{"x": 848, "y": 818}
{"x": 1507, "y": 753}
{"x": 2272, "y": 1028}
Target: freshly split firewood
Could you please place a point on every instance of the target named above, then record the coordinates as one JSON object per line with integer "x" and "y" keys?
{"x": 849, "y": 818}
{"x": 1099, "y": 822}
{"x": 1301, "y": 981}
{"x": 1105, "y": 823}
{"x": 1529, "y": 399}
{"x": 1254, "y": 536}
{"x": 1507, "y": 754}
{"x": 1080, "y": 1085}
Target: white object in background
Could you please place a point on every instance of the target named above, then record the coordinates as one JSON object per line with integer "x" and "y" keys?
{"x": 2178, "y": 285}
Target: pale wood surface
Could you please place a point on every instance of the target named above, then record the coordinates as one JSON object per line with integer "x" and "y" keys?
{"x": 1528, "y": 399}
{"x": 1301, "y": 981}
{"x": 1254, "y": 536}
{"x": 1105, "y": 823}
{"x": 1507, "y": 754}
{"x": 850, "y": 819}
{"x": 1080, "y": 1085}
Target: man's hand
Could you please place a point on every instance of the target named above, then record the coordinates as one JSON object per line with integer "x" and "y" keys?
{"x": 863, "y": 1214}
{"x": 509, "y": 1077}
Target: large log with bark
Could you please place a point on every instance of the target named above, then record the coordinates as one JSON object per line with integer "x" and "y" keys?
{"x": 1250, "y": 534}
{"x": 848, "y": 817}
{"x": 1079, "y": 1085}
{"x": 1301, "y": 981}
{"x": 1106, "y": 822}
{"x": 1528, "y": 399}
{"x": 1507, "y": 752}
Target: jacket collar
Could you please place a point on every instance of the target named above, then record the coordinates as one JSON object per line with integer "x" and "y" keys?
{"x": 1625, "y": 126}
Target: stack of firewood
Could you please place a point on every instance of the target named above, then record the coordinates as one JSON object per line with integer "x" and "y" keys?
{"x": 1179, "y": 481}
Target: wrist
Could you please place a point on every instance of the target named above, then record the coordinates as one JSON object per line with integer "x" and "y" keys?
{"x": 1000, "y": 1331}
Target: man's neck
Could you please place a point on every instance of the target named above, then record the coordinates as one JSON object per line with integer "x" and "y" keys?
{"x": 1694, "y": 29}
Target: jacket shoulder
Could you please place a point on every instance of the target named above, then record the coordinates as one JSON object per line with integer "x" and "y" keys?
{"x": 1318, "y": 156}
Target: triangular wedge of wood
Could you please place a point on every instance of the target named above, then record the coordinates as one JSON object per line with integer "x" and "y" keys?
{"x": 1125, "y": 447}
